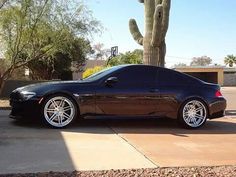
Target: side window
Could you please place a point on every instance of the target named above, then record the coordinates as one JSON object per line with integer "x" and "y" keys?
{"x": 138, "y": 76}
{"x": 167, "y": 77}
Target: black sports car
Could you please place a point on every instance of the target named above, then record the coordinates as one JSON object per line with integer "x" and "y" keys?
{"x": 124, "y": 91}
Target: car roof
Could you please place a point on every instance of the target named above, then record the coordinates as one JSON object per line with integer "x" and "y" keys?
{"x": 162, "y": 68}
{"x": 138, "y": 65}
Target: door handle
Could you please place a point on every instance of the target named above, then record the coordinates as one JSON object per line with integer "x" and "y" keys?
{"x": 154, "y": 90}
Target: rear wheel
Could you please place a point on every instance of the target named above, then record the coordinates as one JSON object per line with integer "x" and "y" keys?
{"x": 193, "y": 114}
{"x": 59, "y": 111}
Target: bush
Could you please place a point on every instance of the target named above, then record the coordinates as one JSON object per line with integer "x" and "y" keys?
{"x": 88, "y": 72}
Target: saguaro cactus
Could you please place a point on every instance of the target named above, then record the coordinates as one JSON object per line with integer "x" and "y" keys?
{"x": 156, "y": 26}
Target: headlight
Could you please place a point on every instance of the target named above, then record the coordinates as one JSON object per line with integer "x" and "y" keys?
{"x": 27, "y": 95}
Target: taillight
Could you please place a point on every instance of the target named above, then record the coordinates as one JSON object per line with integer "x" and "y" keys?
{"x": 218, "y": 93}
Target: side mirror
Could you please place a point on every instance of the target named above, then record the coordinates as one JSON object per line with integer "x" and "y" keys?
{"x": 111, "y": 80}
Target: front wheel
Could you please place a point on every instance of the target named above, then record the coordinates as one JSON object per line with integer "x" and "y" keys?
{"x": 193, "y": 114}
{"x": 59, "y": 111}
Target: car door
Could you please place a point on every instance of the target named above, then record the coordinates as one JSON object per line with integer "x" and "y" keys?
{"x": 132, "y": 94}
{"x": 170, "y": 89}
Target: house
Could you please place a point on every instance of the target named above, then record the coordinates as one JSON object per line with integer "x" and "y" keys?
{"x": 214, "y": 74}
{"x": 89, "y": 64}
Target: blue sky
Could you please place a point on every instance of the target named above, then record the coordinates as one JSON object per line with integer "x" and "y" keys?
{"x": 197, "y": 27}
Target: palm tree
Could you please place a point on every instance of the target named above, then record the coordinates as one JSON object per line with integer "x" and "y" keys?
{"x": 230, "y": 60}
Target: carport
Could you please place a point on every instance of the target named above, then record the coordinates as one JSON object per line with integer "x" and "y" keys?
{"x": 208, "y": 74}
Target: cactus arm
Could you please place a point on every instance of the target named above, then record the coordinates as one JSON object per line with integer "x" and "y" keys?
{"x": 157, "y": 27}
{"x": 166, "y": 12}
{"x": 135, "y": 32}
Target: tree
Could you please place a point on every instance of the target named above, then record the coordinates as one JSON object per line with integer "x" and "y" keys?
{"x": 156, "y": 26}
{"x": 179, "y": 65}
{"x": 134, "y": 57}
{"x": 60, "y": 66}
{"x": 4, "y": 66}
{"x": 38, "y": 30}
{"x": 230, "y": 60}
{"x": 2, "y": 3}
{"x": 99, "y": 53}
{"x": 201, "y": 61}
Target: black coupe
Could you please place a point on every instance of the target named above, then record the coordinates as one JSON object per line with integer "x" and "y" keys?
{"x": 121, "y": 91}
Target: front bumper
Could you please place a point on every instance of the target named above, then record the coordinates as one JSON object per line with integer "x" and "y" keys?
{"x": 217, "y": 108}
{"x": 29, "y": 109}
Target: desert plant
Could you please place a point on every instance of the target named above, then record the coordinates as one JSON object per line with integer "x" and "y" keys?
{"x": 230, "y": 60}
{"x": 156, "y": 26}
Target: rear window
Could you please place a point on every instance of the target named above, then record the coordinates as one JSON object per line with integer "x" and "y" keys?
{"x": 168, "y": 77}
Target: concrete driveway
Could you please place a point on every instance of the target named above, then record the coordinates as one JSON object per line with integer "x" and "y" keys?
{"x": 116, "y": 144}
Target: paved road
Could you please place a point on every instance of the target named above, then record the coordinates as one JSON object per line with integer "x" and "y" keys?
{"x": 120, "y": 144}
{"x": 230, "y": 94}
{"x": 29, "y": 147}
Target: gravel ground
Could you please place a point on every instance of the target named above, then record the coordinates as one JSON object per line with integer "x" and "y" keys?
{"x": 222, "y": 171}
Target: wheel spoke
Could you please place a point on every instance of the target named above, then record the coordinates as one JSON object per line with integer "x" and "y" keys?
{"x": 188, "y": 119}
{"x": 53, "y": 117}
{"x": 67, "y": 108}
{"x": 194, "y": 121}
{"x": 199, "y": 109}
{"x": 62, "y": 103}
{"x": 195, "y": 103}
{"x": 199, "y": 116}
{"x": 188, "y": 108}
{"x": 54, "y": 103}
{"x": 51, "y": 110}
{"x": 65, "y": 115}
{"x": 59, "y": 119}
{"x": 186, "y": 113}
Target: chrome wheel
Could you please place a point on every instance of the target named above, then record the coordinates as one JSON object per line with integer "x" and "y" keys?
{"x": 194, "y": 113}
{"x": 59, "y": 111}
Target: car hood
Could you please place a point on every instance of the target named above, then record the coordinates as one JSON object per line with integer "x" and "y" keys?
{"x": 45, "y": 87}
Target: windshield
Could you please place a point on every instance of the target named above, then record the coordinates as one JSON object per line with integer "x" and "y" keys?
{"x": 101, "y": 74}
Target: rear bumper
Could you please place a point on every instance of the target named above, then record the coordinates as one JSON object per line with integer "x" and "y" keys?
{"x": 217, "y": 108}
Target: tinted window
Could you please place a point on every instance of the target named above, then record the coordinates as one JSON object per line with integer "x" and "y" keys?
{"x": 137, "y": 76}
{"x": 101, "y": 74}
{"x": 168, "y": 77}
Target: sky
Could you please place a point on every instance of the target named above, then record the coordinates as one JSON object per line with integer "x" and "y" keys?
{"x": 196, "y": 27}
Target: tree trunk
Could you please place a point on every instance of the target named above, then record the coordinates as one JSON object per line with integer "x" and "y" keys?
{"x": 154, "y": 55}
{"x": 150, "y": 53}
{"x": 2, "y": 83}
{"x": 162, "y": 54}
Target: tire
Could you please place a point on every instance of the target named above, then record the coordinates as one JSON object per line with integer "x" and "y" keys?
{"x": 193, "y": 114}
{"x": 59, "y": 111}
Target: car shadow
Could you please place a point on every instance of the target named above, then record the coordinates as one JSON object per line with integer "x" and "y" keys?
{"x": 138, "y": 126}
